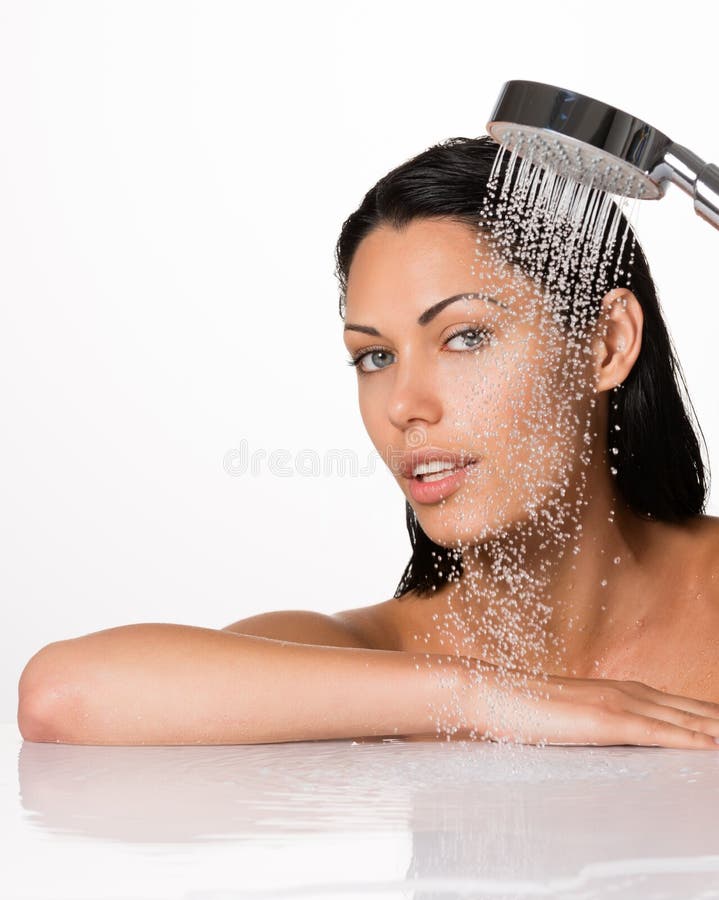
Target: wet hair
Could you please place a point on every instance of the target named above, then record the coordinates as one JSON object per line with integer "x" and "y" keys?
{"x": 660, "y": 472}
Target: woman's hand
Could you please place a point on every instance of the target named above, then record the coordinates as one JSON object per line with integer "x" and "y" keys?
{"x": 509, "y": 705}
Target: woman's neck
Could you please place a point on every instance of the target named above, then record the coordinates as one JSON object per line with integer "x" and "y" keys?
{"x": 557, "y": 593}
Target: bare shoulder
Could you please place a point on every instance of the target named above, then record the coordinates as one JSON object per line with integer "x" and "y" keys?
{"x": 376, "y": 624}
{"x": 710, "y": 526}
{"x": 705, "y": 527}
{"x": 302, "y": 627}
{"x": 701, "y": 546}
{"x": 708, "y": 557}
{"x": 685, "y": 582}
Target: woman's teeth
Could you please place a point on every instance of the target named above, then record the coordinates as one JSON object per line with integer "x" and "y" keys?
{"x": 437, "y": 476}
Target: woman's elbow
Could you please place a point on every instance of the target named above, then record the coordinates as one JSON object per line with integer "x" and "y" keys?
{"x": 41, "y": 712}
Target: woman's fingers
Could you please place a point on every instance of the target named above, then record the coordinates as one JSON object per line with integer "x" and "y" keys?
{"x": 683, "y": 718}
{"x": 556, "y": 709}
{"x": 667, "y": 720}
{"x": 646, "y": 731}
{"x": 698, "y": 707}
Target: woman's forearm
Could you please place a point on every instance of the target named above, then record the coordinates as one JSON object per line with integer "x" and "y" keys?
{"x": 178, "y": 684}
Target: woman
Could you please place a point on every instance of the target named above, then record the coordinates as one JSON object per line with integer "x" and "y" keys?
{"x": 574, "y": 585}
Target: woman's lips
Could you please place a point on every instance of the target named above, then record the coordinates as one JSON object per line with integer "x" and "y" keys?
{"x": 432, "y": 491}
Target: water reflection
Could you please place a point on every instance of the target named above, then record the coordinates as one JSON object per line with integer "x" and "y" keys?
{"x": 498, "y": 819}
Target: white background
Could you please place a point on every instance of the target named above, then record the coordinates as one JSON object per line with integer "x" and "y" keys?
{"x": 173, "y": 178}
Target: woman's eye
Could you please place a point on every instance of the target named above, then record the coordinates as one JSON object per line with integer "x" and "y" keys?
{"x": 374, "y": 355}
{"x": 471, "y": 338}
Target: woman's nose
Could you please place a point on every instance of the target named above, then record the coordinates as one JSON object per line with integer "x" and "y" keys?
{"x": 414, "y": 395}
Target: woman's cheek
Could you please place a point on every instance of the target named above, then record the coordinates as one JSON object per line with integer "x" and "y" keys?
{"x": 373, "y": 421}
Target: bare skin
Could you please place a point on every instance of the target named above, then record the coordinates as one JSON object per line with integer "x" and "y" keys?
{"x": 650, "y": 623}
{"x": 656, "y": 620}
{"x": 671, "y": 646}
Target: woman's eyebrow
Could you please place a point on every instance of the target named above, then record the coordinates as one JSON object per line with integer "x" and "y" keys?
{"x": 430, "y": 313}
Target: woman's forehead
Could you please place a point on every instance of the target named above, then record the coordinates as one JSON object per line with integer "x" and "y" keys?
{"x": 427, "y": 260}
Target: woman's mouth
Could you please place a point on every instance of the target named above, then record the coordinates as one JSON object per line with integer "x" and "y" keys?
{"x": 434, "y": 486}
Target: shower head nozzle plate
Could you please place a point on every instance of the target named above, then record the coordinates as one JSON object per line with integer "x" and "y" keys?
{"x": 580, "y": 138}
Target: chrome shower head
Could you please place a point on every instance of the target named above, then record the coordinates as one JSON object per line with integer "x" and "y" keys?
{"x": 593, "y": 143}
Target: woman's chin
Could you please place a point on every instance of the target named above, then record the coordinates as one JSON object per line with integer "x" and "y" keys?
{"x": 475, "y": 523}
{"x": 459, "y": 534}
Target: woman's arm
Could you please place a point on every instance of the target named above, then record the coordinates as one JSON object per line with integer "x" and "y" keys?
{"x": 179, "y": 684}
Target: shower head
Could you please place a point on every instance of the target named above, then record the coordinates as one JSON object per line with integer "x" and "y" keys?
{"x": 596, "y": 144}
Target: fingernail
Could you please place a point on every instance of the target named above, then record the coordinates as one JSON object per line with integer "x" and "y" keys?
{"x": 716, "y": 740}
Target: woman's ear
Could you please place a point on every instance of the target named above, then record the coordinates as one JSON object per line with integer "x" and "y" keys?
{"x": 618, "y": 338}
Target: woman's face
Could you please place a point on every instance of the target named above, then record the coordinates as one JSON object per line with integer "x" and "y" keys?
{"x": 491, "y": 377}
